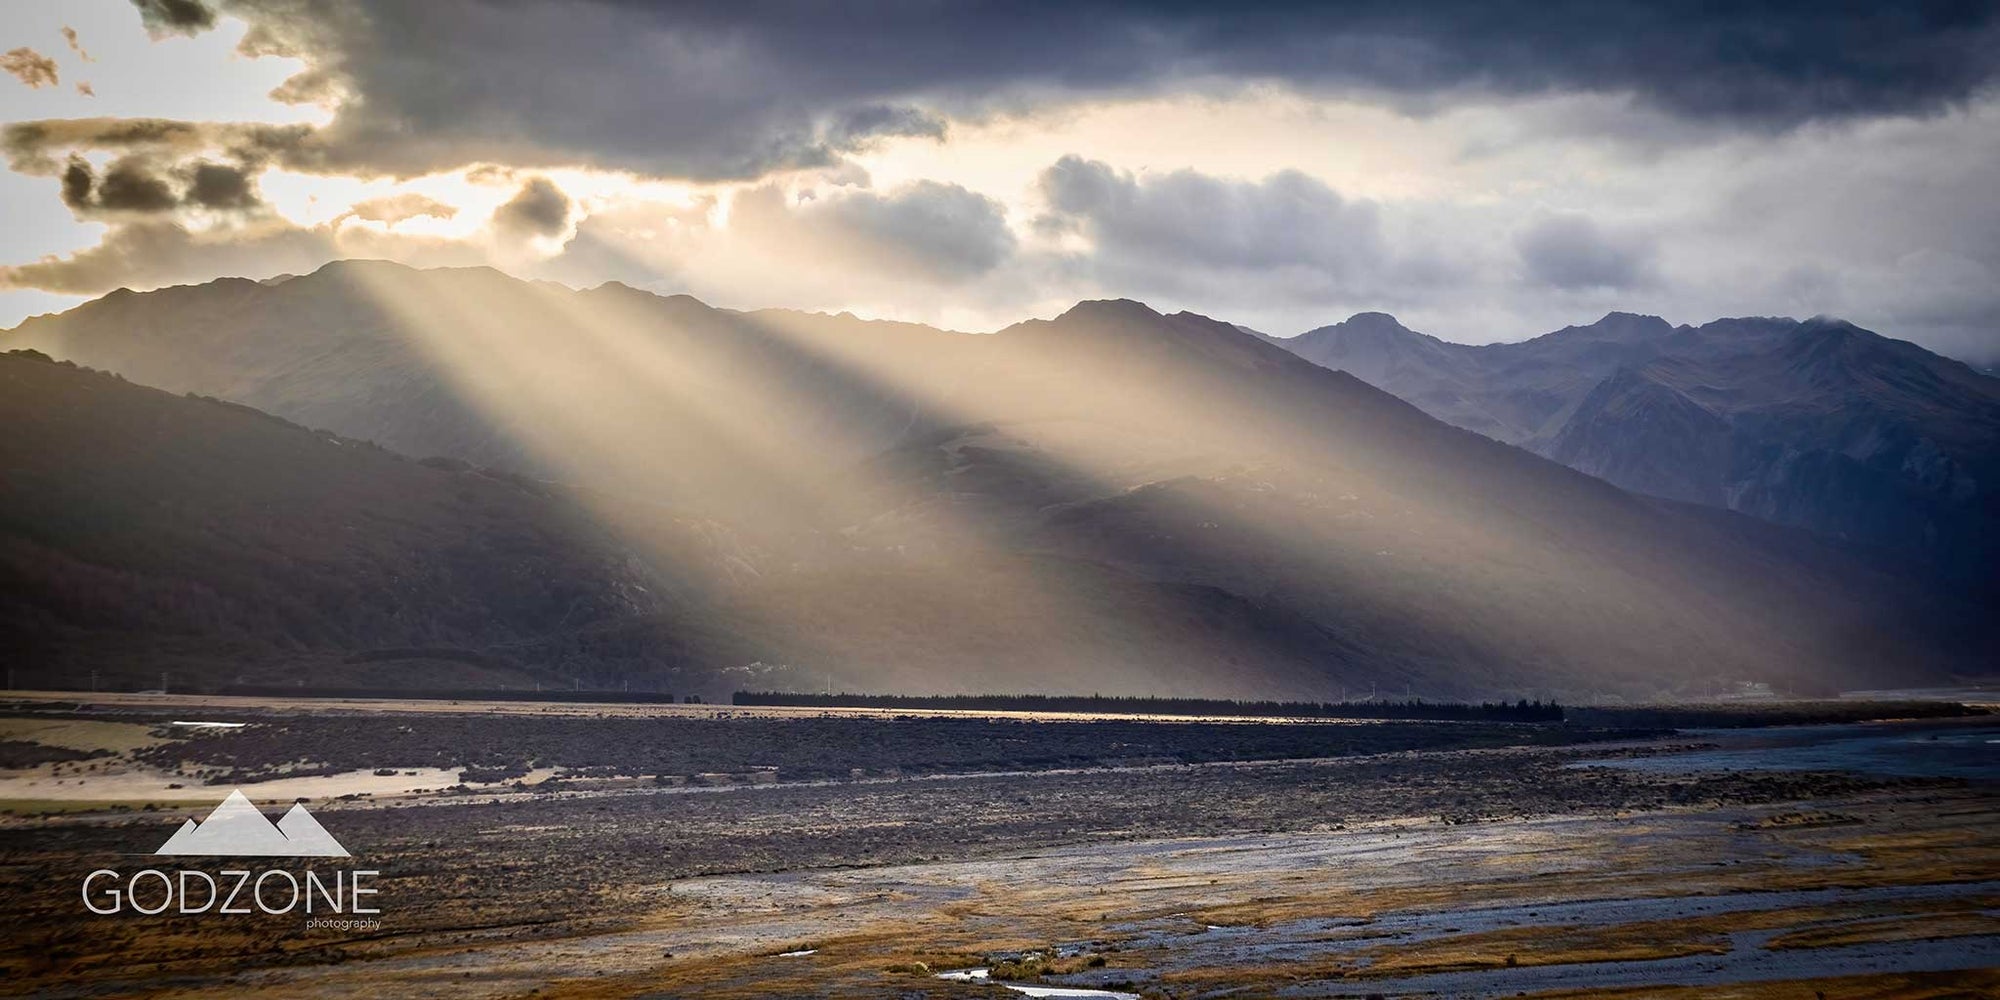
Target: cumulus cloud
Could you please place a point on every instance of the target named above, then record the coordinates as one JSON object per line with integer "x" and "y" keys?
{"x": 1185, "y": 217}
{"x": 1193, "y": 236}
{"x": 1571, "y": 252}
{"x": 927, "y": 231}
{"x": 538, "y": 210}
{"x": 922, "y": 251}
{"x": 30, "y": 67}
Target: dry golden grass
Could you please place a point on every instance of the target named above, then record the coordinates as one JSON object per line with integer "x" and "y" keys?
{"x": 56, "y": 807}
{"x": 79, "y": 734}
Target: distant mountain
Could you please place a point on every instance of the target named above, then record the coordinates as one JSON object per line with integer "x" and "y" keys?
{"x": 1817, "y": 424}
{"x": 1113, "y": 500}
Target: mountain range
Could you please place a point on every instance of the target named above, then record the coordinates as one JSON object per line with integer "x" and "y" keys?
{"x": 464, "y": 478}
{"x": 1817, "y": 423}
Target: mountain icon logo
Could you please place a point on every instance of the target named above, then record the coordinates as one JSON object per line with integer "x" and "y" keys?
{"x": 236, "y": 828}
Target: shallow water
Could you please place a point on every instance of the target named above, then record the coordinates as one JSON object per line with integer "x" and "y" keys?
{"x": 1747, "y": 962}
{"x": 1304, "y": 940}
{"x": 979, "y": 976}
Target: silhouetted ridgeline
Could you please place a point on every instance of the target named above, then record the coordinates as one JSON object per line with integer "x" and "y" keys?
{"x": 1521, "y": 711}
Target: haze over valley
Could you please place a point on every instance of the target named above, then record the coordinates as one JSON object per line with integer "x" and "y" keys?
{"x": 1113, "y": 501}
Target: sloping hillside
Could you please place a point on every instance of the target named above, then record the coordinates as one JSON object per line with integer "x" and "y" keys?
{"x": 1113, "y": 500}
{"x": 143, "y": 532}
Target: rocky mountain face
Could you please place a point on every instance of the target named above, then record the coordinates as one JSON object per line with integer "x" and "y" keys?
{"x": 1816, "y": 424}
{"x": 1114, "y": 500}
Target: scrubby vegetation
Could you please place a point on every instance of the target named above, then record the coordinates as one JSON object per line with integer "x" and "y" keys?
{"x": 451, "y": 694}
{"x": 805, "y": 748}
{"x": 1520, "y": 711}
{"x": 27, "y": 753}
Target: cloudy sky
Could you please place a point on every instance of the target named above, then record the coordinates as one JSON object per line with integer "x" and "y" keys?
{"x": 1484, "y": 170}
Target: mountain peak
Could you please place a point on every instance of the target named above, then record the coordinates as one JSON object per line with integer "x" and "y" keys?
{"x": 1825, "y": 347}
{"x": 1137, "y": 331}
{"x": 1376, "y": 327}
{"x": 1370, "y": 345}
{"x": 359, "y": 265}
{"x": 1824, "y": 324}
{"x": 620, "y": 292}
{"x": 1375, "y": 321}
{"x": 365, "y": 268}
{"x": 1631, "y": 324}
{"x": 1103, "y": 309}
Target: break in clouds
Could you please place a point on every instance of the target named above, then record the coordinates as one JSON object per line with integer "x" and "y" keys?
{"x": 1544, "y": 163}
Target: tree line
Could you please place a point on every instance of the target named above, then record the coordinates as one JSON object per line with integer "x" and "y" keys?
{"x": 1416, "y": 708}
{"x": 443, "y": 694}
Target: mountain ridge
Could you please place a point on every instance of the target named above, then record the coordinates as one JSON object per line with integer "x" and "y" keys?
{"x": 1114, "y": 497}
{"x": 1901, "y": 445}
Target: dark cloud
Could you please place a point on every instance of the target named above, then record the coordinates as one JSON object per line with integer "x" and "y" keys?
{"x": 77, "y": 182}
{"x": 30, "y": 67}
{"x": 712, "y": 89}
{"x": 129, "y": 185}
{"x": 36, "y": 147}
{"x": 1570, "y": 252}
{"x": 704, "y": 89}
{"x": 1155, "y": 230}
{"x": 220, "y": 186}
{"x": 858, "y": 126}
{"x": 538, "y": 209}
{"x": 452, "y": 84}
{"x": 175, "y": 17}
{"x": 139, "y": 185}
